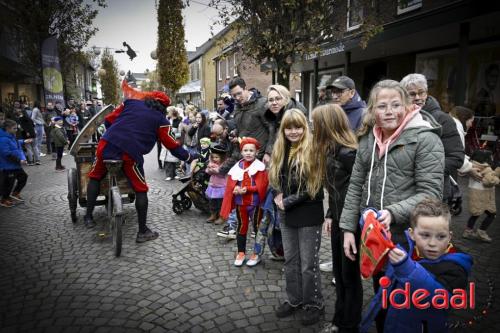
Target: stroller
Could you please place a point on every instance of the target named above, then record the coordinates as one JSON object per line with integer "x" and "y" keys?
{"x": 192, "y": 193}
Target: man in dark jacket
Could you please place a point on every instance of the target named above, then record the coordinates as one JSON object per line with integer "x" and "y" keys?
{"x": 416, "y": 85}
{"x": 343, "y": 93}
{"x": 248, "y": 115}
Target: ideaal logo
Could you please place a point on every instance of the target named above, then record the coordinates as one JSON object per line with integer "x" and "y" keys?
{"x": 400, "y": 298}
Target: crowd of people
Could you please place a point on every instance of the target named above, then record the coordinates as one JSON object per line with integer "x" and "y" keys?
{"x": 24, "y": 129}
{"x": 269, "y": 162}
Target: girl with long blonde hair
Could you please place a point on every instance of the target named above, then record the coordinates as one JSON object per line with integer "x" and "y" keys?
{"x": 334, "y": 145}
{"x": 299, "y": 198}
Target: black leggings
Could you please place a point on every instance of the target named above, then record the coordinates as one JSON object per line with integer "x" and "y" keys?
{"x": 349, "y": 303}
{"x": 490, "y": 217}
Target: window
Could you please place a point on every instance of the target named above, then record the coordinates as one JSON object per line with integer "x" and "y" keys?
{"x": 405, "y": 6}
{"x": 227, "y": 68}
{"x": 219, "y": 74}
{"x": 354, "y": 14}
{"x": 235, "y": 66}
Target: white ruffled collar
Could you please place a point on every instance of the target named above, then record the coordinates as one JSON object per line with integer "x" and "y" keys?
{"x": 237, "y": 173}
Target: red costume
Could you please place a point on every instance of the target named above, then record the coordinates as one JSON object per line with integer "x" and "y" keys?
{"x": 253, "y": 177}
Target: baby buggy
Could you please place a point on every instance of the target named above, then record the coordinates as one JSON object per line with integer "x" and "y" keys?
{"x": 192, "y": 193}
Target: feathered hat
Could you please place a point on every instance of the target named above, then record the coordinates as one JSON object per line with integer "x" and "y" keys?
{"x": 131, "y": 93}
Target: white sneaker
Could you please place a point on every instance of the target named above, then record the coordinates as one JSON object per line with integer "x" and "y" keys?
{"x": 227, "y": 233}
{"x": 482, "y": 235}
{"x": 64, "y": 154}
{"x": 168, "y": 178}
{"x": 254, "y": 260}
{"x": 326, "y": 266}
{"x": 334, "y": 282}
{"x": 177, "y": 177}
{"x": 240, "y": 258}
{"x": 42, "y": 154}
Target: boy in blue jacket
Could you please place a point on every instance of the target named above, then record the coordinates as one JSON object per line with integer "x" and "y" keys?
{"x": 11, "y": 159}
{"x": 431, "y": 263}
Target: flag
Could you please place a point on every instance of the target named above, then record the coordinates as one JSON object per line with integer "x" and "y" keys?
{"x": 52, "y": 78}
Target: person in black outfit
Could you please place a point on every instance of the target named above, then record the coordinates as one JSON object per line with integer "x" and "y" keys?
{"x": 335, "y": 146}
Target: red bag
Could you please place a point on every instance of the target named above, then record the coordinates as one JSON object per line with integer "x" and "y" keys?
{"x": 374, "y": 245}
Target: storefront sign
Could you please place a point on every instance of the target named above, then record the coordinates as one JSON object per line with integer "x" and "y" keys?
{"x": 52, "y": 78}
{"x": 329, "y": 51}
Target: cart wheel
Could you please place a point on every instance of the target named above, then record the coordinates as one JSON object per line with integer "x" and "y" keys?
{"x": 177, "y": 208}
{"x": 186, "y": 203}
{"x": 72, "y": 193}
{"x": 117, "y": 234}
{"x": 117, "y": 221}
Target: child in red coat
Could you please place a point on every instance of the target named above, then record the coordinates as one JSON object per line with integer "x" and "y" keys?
{"x": 245, "y": 190}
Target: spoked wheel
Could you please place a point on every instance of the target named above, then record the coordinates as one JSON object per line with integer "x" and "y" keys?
{"x": 72, "y": 193}
{"x": 117, "y": 221}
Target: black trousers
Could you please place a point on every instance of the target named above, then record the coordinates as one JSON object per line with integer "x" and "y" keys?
{"x": 8, "y": 179}
{"x": 59, "y": 151}
{"x": 349, "y": 303}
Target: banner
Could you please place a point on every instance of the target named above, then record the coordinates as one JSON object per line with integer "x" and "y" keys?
{"x": 52, "y": 78}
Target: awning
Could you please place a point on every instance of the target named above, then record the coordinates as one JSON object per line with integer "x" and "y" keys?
{"x": 191, "y": 87}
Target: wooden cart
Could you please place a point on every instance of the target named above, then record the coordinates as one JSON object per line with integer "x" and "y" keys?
{"x": 115, "y": 189}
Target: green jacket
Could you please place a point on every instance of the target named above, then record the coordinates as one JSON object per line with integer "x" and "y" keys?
{"x": 415, "y": 170}
{"x": 58, "y": 136}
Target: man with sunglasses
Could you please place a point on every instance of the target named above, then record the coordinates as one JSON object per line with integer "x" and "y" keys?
{"x": 342, "y": 91}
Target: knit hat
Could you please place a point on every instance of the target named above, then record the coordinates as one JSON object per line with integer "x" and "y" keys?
{"x": 248, "y": 140}
{"x": 205, "y": 141}
{"x": 54, "y": 119}
{"x": 131, "y": 93}
{"x": 218, "y": 148}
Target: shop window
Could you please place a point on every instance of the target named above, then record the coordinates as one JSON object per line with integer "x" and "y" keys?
{"x": 354, "y": 14}
{"x": 227, "y": 68}
{"x": 405, "y": 6}
{"x": 219, "y": 74}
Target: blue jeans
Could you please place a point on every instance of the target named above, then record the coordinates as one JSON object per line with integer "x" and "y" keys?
{"x": 39, "y": 137}
{"x": 302, "y": 275}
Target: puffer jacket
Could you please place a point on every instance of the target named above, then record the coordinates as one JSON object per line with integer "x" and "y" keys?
{"x": 414, "y": 169}
{"x": 250, "y": 121}
{"x": 453, "y": 148}
{"x": 275, "y": 121}
{"x": 11, "y": 151}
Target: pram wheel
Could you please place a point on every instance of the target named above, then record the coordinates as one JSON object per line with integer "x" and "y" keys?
{"x": 455, "y": 211}
{"x": 177, "y": 207}
{"x": 186, "y": 203}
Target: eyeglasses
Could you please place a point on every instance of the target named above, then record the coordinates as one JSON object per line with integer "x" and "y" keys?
{"x": 276, "y": 99}
{"x": 384, "y": 107}
{"x": 414, "y": 94}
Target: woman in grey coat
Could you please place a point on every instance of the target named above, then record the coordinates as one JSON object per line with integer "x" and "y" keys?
{"x": 400, "y": 161}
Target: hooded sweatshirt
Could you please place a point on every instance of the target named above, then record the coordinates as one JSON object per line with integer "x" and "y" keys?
{"x": 354, "y": 110}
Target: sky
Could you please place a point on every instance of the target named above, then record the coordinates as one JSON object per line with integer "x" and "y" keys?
{"x": 135, "y": 22}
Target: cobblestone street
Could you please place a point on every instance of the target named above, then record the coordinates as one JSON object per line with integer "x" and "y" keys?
{"x": 56, "y": 276}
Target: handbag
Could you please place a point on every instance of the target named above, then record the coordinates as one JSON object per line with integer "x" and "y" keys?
{"x": 375, "y": 244}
